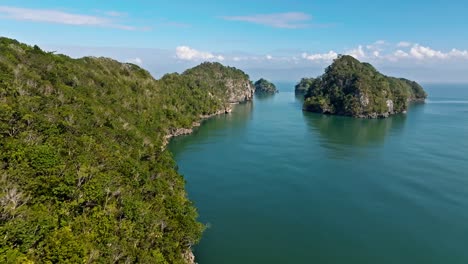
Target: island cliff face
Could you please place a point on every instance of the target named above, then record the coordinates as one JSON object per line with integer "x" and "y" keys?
{"x": 84, "y": 175}
{"x": 356, "y": 89}
{"x": 264, "y": 87}
{"x": 224, "y": 85}
{"x": 229, "y": 84}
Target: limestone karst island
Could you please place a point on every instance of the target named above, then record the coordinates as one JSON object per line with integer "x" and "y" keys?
{"x": 264, "y": 87}
{"x": 351, "y": 88}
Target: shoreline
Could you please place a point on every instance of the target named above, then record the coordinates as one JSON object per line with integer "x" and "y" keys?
{"x": 175, "y": 132}
{"x": 188, "y": 254}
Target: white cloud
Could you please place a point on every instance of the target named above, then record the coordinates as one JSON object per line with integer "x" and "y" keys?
{"x": 421, "y": 52}
{"x": 331, "y": 55}
{"x": 279, "y": 20}
{"x": 269, "y": 57}
{"x": 403, "y": 44}
{"x": 382, "y": 51}
{"x": 454, "y": 53}
{"x": 400, "y": 54}
{"x": 136, "y": 60}
{"x": 187, "y": 53}
{"x": 59, "y": 17}
{"x": 357, "y": 53}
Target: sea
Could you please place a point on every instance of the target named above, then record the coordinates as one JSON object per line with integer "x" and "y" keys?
{"x": 274, "y": 184}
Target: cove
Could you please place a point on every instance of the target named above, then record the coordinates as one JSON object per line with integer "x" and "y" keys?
{"x": 278, "y": 185}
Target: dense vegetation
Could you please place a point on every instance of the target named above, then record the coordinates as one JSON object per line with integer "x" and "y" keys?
{"x": 228, "y": 83}
{"x": 84, "y": 176}
{"x": 357, "y": 89}
{"x": 303, "y": 86}
{"x": 264, "y": 87}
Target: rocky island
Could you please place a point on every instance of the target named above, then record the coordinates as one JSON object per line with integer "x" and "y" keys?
{"x": 351, "y": 88}
{"x": 303, "y": 86}
{"x": 264, "y": 87}
{"x": 84, "y": 174}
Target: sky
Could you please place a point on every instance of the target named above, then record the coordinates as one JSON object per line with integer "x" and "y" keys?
{"x": 280, "y": 40}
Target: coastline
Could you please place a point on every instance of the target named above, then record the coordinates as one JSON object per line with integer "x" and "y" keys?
{"x": 175, "y": 132}
{"x": 188, "y": 254}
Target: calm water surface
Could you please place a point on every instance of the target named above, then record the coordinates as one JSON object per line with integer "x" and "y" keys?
{"x": 277, "y": 185}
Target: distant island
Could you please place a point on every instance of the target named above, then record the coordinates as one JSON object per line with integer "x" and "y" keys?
{"x": 264, "y": 87}
{"x": 351, "y": 88}
{"x": 303, "y": 86}
{"x": 84, "y": 172}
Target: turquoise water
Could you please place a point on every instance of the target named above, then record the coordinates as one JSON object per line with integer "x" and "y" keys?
{"x": 277, "y": 185}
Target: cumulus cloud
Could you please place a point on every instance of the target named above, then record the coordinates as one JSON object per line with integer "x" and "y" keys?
{"x": 136, "y": 60}
{"x": 188, "y": 53}
{"x": 59, "y": 17}
{"x": 331, "y": 55}
{"x": 357, "y": 53}
{"x": 382, "y": 51}
{"x": 403, "y": 44}
{"x": 420, "y": 52}
{"x": 289, "y": 20}
{"x": 400, "y": 54}
{"x": 269, "y": 57}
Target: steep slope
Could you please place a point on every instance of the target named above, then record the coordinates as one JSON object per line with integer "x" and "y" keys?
{"x": 224, "y": 82}
{"x": 303, "y": 85}
{"x": 357, "y": 89}
{"x": 83, "y": 175}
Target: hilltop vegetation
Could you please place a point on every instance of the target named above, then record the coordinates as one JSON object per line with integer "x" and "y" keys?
{"x": 264, "y": 87}
{"x": 357, "y": 89}
{"x": 303, "y": 86}
{"x": 83, "y": 174}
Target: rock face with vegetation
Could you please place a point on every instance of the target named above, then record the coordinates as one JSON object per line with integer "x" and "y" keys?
{"x": 264, "y": 87}
{"x": 357, "y": 89}
{"x": 83, "y": 174}
{"x": 303, "y": 86}
{"x": 228, "y": 83}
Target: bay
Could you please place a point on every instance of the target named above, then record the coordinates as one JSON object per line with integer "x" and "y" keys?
{"x": 275, "y": 184}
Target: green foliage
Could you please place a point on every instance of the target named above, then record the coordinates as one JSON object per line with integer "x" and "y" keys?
{"x": 263, "y": 86}
{"x": 303, "y": 86}
{"x": 357, "y": 89}
{"x": 84, "y": 176}
{"x": 220, "y": 81}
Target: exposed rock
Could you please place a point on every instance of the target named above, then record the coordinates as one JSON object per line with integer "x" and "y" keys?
{"x": 357, "y": 89}
{"x": 390, "y": 105}
{"x": 229, "y": 84}
{"x": 189, "y": 257}
{"x": 239, "y": 91}
{"x": 175, "y": 132}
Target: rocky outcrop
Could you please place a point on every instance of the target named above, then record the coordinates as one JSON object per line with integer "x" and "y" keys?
{"x": 189, "y": 257}
{"x": 264, "y": 87}
{"x": 229, "y": 84}
{"x": 175, "y": 132}
{"x": 356, "y": 89}
{"x": 239, "y": 91}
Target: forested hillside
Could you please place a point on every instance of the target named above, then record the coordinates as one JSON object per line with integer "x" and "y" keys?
{"x": 349, "y": 87}
{"x": 83, "y": 175}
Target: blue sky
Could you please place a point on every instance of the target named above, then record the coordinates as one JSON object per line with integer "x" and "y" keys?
{"x": 283, "y": 40}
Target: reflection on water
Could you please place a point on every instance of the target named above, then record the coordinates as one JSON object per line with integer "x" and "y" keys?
{"x": 233, "y": 122}
{"x": 340, "y": 134}
{"x": 264, "y": 97}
